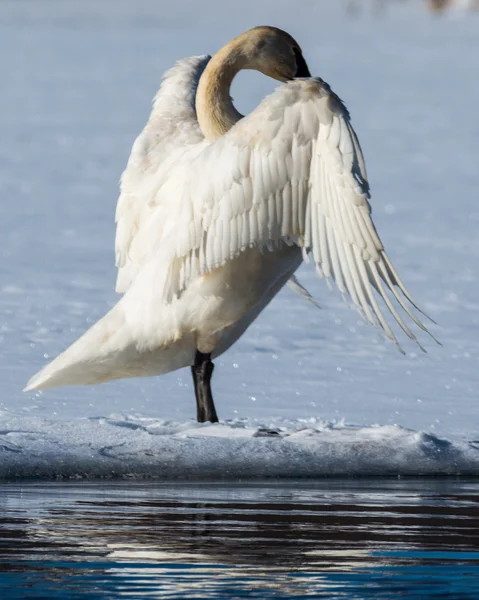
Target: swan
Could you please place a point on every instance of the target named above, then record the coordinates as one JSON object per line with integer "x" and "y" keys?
{"x": 217, "y": 211}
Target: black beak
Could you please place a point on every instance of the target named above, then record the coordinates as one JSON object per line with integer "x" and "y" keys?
{"x": 302, "y": 68}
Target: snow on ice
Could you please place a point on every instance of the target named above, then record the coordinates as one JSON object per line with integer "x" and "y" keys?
{"x": 240, "y": 449}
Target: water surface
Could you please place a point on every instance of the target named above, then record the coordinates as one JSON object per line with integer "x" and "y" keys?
{"x": 334, "y": 539}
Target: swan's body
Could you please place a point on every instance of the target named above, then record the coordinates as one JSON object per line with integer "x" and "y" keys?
{"x": 216, "y": 213}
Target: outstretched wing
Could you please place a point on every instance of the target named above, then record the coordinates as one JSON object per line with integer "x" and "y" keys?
{"x": 292, "y": 172}
{"x": 171, "y": 128}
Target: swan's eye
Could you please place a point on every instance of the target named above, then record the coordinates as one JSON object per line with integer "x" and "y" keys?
{"x": 301, "y": 66}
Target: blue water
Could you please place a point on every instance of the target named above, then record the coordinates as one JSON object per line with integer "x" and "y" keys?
{"x": 336, "y": 539}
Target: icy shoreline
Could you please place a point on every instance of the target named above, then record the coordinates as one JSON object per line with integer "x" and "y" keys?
{"x": 34, "y": 448}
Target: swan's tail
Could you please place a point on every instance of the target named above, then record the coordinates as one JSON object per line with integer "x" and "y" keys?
{"x": 96, "y": 357}
{"x": 117, "y": 347}
{"x": 137, "y": 338}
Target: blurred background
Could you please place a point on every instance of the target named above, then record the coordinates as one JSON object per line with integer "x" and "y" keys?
{"x": 437, "y": 6}
{"x": 78, "y": 77}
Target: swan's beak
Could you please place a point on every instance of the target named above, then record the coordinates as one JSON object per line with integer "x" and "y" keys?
{"x": 302, "y": 68}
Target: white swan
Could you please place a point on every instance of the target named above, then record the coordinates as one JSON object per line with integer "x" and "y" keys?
{"x": 217, "y": 212}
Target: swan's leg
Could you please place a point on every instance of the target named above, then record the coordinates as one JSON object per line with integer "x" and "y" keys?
{"x": 202, "y": 371}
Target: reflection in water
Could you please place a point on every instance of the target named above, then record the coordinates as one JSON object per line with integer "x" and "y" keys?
{"x": 331, "y": 539}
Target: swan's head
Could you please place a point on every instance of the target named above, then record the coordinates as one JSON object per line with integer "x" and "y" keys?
{"x": 273, "y": 52}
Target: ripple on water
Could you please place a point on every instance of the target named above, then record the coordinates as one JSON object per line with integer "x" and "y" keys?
{"x": 336, "y": 539}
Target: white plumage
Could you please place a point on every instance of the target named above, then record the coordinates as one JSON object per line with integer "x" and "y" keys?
{"x": 208, "y": 230}
{"x": 171, "y": 130}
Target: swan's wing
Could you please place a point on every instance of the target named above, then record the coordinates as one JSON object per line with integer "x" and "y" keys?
{"x": 292, "y": 172}
{"x": 171, "y": 128}
{"x": 298, "y": 288}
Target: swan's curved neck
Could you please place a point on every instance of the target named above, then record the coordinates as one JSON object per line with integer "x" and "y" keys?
{"x": 214, "y": 109}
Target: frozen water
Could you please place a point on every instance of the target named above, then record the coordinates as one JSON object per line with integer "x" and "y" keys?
{"x": 77, "y": 80}
{"x": 245, "y": 449}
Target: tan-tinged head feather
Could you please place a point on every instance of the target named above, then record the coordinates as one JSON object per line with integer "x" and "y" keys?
{"x": 269, "y": 50}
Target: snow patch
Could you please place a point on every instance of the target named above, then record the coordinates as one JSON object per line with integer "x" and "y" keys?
{"x": 117, "y": 447}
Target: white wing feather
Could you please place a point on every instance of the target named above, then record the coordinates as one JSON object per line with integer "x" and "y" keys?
{"x": 171, "y": 129}
{"x": 292, "y": 172}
